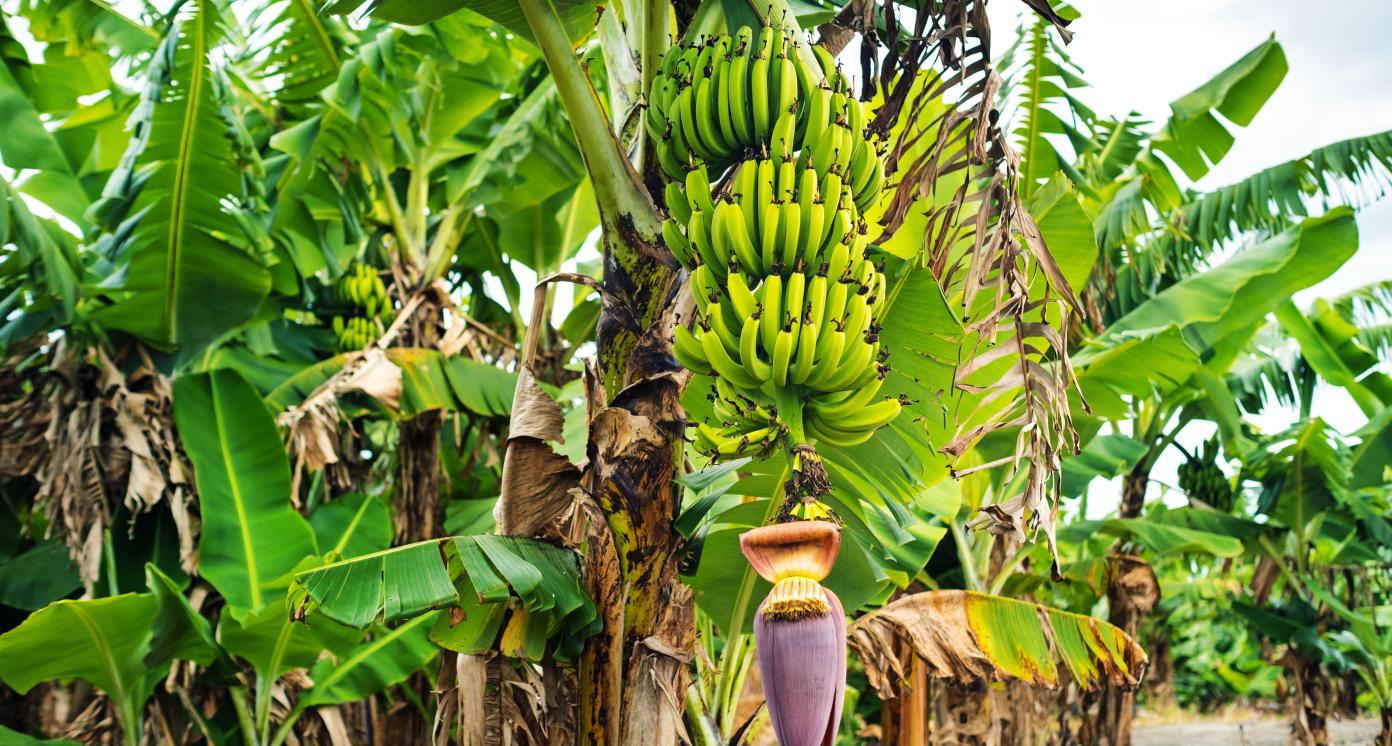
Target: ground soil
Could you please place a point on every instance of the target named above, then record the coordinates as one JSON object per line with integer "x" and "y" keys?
{"x": 1247, "y": 732}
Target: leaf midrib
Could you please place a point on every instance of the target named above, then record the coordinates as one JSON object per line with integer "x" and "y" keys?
{"x": 179, "y": 196}
{"x": 235, "y": 491}
{"x": 103, "y": 647}
{"x": 1036, "y": 82}
{"x": 368, "y": 650}
{"x": 353, "y": 525}
{"x": 321, "y": 36}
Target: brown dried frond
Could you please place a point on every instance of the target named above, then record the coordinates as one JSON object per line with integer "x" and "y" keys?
{"x": 950, "y": 163}
{"x": 109, "y": 433}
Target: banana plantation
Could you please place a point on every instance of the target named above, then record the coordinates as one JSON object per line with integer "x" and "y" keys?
{"x": 662, "y": 372}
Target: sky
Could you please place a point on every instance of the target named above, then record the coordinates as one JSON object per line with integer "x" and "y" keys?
{"x": 1140, "y": 55}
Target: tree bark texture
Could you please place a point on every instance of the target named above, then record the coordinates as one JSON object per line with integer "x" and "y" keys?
{"x": 1132, "y": 592}
{"x": 634, "y": 674}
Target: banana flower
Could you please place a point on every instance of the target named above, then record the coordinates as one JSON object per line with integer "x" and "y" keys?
{"x": 799, "y": 630}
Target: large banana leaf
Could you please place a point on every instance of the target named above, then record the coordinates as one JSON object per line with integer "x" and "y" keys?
{"x": 1324, "y": 357}
{"x": 102, "y": 641}
{"x": 386, "y": 659}
{"x": 273, "y": 643}
{"x": 1105, "y": 456}
{"x": 251, "y": 534}
{"x": 1161, "y": 538}
{"x": 1139, "y": 364}
{"x": 1369, "y": 463}
{"x": 1306, "y": 470}
{"x": 1194, "y": 138}
{"x": 1066, "y": 228}
{"x": 184, "y": 277}
{"x": 28, "y": 142}
{"x": 580, "y": 17}
{"x": 967, "y": 636}
{"x": 43, "y": 573}
{"x": 353, "y": 524}
{"x": 1241, "y": 291}
{"x": 1045, "y": 82}
{"x": 1269, "y": 198}
{"x": 478, "y": 574}
{"x": 305, "y": 53}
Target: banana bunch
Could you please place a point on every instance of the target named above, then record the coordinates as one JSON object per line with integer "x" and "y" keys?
{"x": 360, "y": 288}
{"x": 786, "y": 289}
{"x": 1202, "y": 480}
{"x": 727, "y": 98}
{"x": 355, "y": 333}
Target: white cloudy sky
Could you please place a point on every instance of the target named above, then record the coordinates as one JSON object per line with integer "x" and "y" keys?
{"x": 1140, "y": 55}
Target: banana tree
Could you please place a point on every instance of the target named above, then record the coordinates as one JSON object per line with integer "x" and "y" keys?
{"x": 277, "y": 206}
{"x": 1154, "y": 236}
{"x": 1315, "y": 589}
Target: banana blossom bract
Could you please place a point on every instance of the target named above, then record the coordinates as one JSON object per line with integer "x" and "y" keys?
{"x": 799, "y": 630}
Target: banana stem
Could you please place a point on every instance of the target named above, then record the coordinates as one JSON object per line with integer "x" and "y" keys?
{"x": 790, "y": 406}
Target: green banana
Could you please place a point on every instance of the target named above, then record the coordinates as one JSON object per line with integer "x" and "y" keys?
{"x": 788, "y": 302}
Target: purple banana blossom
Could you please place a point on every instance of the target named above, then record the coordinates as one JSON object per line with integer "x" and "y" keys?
{"x": 799, "y": 630}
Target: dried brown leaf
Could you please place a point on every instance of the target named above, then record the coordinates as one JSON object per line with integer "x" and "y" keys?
{"x": 957, "y": 642}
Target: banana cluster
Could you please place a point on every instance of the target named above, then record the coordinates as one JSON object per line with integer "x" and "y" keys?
{"x": 767, "y": 187}
{"x": 728, "y": 98}
{"x": 1201, "y": 479}
{"x": 360, "y": 289}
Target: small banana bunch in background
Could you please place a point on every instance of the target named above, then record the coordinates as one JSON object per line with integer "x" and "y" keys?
{"x": 770, "y": 169}
{"x": 1202, "y": 479}
{"x": 361, "y": 290}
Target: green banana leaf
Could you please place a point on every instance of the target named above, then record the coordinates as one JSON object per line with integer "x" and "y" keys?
{"x": 386, "y": 659}
{"x": 1372, "y": 456}
{"x": 1161, "y": 538}
{"x": 1066, "y": 228}
{"x": 179, "y": 632}
{"x": 1140, "y": 365}
{"x": 251, "y": 535}
{"x": 480, "y": 574}
{"x": 1241, "y": 291}
{"x": 274, "y": 644}
{"x": 579, "y": 17}
{"x": 1047, "y": 79}
{"x": 1194, "y": 138}
{"x": 1104, "y": 457}
{"x": 186, "y": 277}
{"x": 101, "y": 641}
{"x": 353, "y": 524}
{"x": 43, "y": 573}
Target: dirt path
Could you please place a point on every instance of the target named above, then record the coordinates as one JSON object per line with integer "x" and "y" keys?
{"x": 1256, "y": 733}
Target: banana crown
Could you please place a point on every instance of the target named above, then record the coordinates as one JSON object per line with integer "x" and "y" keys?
{"x": 770, "y": 168}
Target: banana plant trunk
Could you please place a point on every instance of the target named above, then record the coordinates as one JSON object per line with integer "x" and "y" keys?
{"x": 419, "y": 512}
{"x": 1309, "y": 701}
{"x": 1131, "y": 593}
{"x": 634, "y": 673}
{"x": 1384, "y": 737}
